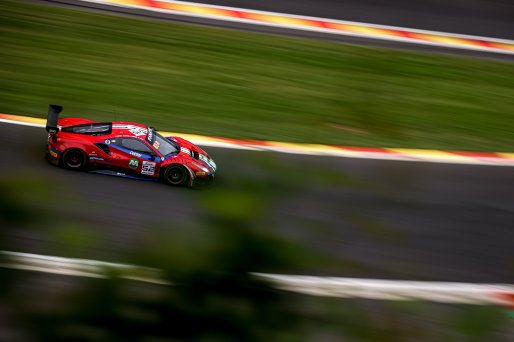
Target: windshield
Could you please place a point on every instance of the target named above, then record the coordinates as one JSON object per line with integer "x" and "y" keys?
{"x": 165, "y": 146}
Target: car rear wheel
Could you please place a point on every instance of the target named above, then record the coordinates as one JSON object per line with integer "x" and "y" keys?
{"x": 176, "y": 175}
{"x": 73, "y": 159}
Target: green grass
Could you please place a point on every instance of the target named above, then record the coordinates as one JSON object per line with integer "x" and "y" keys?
{"x": 213, "y": 81}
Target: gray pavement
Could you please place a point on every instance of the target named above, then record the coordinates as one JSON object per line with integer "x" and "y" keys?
{"x": 385, "y": 219}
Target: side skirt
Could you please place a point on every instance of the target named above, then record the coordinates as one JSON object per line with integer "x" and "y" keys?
{"x": 118, "y": 172}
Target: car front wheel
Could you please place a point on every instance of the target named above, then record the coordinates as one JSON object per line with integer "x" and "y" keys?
{"x": 176, "y": 175}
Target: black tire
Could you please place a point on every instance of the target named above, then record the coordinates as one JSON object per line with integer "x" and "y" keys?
{"x": 176, "y": 175}
{"x": 74, "y": 159}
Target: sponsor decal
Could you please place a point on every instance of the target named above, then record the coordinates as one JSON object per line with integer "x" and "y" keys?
{"x": 93, "y": 153}
{"x": 148, "y": 168}
{"x": 185, "y": 150}
{"x": 156, "y": 144}
{"x": 124, "y": 126}
{"x": 138, "y": 131}
{"x": 96, "y": 158}
{"x": 201, "y": 173}
{"x": 150, "y": 137}
{"x": 133, "y": 163}
{"x": 54, "y": 152}
{"x": 135, "y": 154}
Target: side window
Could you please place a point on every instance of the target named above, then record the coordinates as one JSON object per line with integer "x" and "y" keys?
{"x": 133, "y": 144}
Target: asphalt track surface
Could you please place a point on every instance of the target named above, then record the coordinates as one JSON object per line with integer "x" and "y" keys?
{"x": 391, "y": 220}
{"x": 496, "y": 23}
{"x": 490, "y": 18}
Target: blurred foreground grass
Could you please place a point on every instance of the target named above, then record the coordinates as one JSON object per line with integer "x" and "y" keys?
{"x": 213, "y": 81}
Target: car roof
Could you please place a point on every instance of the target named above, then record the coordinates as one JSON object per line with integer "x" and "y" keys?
{"x": 129, "y": 129}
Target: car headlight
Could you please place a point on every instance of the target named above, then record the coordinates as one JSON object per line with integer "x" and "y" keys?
{"x": 208, "y": 161}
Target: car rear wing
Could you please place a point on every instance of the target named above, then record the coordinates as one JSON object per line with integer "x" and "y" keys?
{"x": 53, "y": 118}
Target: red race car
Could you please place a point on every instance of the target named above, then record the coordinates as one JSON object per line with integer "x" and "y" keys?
{"x": 125, "y": 149}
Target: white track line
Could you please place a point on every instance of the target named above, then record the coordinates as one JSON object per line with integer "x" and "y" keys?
{"x": 79, "y": 267}
{"x": 441, "y": 292}
{"x": 14, "y": 122}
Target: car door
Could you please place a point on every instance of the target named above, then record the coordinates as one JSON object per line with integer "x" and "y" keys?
{"x": 135, "y": 156}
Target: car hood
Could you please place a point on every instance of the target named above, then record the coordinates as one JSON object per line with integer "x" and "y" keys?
{"x": 195, "y": 154}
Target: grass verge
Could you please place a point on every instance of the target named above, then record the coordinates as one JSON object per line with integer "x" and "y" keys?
{"x": 237, "y": 84}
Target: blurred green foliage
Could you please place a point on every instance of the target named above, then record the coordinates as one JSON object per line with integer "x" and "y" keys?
{"x": 214, "y": 297}
{"x": 22, "y": 200}
{"x": 195, "y": 79}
